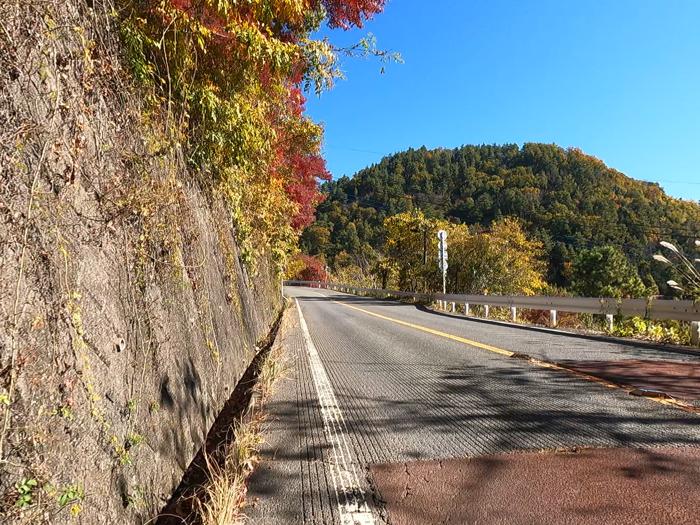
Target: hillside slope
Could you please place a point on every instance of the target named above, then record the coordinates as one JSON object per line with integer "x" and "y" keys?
{"x": 565, "y": 198}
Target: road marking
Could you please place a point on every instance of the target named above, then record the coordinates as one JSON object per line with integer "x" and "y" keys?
{"x": 672, "y": 402}
{"x": 464, "y": 340}
{"x": 352, "y": 504}
{"x": 457, "y": 338}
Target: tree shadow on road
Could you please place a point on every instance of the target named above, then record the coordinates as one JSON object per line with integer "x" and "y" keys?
{"x": 457, "y": 411}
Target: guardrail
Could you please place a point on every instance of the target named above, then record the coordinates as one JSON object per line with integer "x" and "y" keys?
{"x": 656, "y": 309}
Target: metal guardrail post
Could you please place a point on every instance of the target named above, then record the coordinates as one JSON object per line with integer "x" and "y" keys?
{"x": 466, "y": 309}
{"x": 453, "y": 307}
{"x": 553, "y": 318}
{"x": 695, "y": 333}
{"x": 486, "y": 311}
{"x": 513, "y": 313}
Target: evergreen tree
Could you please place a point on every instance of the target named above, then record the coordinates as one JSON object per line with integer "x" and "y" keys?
{"x": 605, "y": 272}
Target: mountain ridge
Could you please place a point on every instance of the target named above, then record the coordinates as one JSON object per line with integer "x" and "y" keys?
{"x": 566, "y": 198}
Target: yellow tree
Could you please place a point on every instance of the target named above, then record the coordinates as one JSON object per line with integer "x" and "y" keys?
{"x": 502, "y": 260}
{"x": 412, "y": 248}
{"x": 404, "y": 247}
{"x": 499, "y": 261}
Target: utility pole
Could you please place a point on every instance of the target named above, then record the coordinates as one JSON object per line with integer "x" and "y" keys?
{"x": 442, "y": 257}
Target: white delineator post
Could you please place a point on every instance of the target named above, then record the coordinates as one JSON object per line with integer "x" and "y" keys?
{"x": 695, "y": 333}
{"x": 442, "y": 261}
{"x": 453, "y": 307}
{"x": 553, "y": 318}
{"x": 466, "y": 309}
{"x": 486, "y": 310}
{"x": 609, "y": 320}
{"x": 513, "y": 313}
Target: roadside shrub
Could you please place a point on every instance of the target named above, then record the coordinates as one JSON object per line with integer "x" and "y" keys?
{"x": 309, "y": 268}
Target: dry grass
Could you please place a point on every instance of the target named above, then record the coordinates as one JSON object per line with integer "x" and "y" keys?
{"x": 273, "y": 368}
{"x": 221, "y": 500}
{"x": 243, "y": 455}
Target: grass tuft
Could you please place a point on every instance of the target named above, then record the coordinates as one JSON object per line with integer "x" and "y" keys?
{"x": 221, "y": 500}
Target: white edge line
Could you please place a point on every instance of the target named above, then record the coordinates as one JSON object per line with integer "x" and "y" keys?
{"x": 353, "y": 507}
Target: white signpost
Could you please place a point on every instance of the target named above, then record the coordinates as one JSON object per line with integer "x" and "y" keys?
{"x": 442, "y": 257}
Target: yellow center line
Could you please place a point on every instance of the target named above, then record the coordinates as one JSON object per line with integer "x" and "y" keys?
{"x": 457, "y": 338}
{"x": 536, "y": 362}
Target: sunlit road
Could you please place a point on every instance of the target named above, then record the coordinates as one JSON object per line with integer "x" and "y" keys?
{"x": 411, "y": 384}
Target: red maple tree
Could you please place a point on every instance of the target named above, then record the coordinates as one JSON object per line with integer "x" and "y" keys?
{"x": 348, "y": 13}
{"x": 314, "y": 269}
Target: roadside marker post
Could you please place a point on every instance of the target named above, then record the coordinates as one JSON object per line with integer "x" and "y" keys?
{"x": 442, "y": 259}
{"x": 553, "y": 318}
{"x": 695, "y": 333}
{"x": 609, "y": 321}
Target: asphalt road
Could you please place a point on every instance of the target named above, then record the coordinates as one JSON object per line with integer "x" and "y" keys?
{"x": 410, "y": 384}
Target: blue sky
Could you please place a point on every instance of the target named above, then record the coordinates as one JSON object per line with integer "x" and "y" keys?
{"x": 619, "y": 79}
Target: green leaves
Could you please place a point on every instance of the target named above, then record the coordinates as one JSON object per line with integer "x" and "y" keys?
{"x": 25, "y": 489}
{"x": 70, "y": 494}
{"x": 606, "y": 272}
{"x": 323, "y": 68}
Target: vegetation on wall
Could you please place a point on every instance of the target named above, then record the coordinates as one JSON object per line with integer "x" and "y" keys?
{"x": 231, "y": 75}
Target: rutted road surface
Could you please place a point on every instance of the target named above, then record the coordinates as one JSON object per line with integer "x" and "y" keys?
{"x": 388, "y": 385}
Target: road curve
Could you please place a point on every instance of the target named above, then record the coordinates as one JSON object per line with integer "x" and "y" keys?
{"x": 411, "y": 384}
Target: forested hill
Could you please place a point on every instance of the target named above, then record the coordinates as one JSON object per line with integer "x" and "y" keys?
{"x": 567, "y": 199}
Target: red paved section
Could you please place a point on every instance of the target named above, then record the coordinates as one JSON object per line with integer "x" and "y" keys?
{"x": 675, "y": 378}
{"x": 617, "y": 486}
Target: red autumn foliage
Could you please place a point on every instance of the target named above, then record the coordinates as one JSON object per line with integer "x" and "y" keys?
{"x": 296, "y": 101}
{"x": 303, "y": 189}
{"x": 300, "y": 171}
{"x": 314, "y": 269}
{"x": 341, "y": 13}
{"x": 182, "y": 5}
{"x": 348, "y": 13}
